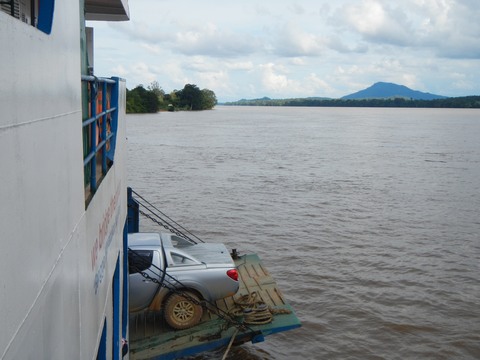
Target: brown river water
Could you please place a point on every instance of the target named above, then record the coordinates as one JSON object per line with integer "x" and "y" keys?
{"x": 368, "y": 219}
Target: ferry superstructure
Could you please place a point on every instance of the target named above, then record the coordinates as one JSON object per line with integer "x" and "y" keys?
{"x": 63, "y": 185}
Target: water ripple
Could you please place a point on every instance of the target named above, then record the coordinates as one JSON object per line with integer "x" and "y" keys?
{"x": 367, "y": 218}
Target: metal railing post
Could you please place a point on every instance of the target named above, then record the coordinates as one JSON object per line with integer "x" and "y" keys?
{"x": 104, "y": 128}
{"x": 93, "y": 134}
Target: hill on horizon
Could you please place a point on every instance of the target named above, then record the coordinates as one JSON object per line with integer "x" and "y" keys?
{"x": 383, "y": 90}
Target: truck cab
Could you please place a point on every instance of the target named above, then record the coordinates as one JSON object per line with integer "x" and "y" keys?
{"x": 164, "y": 267}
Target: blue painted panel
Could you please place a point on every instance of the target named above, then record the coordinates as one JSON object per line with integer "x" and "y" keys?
{"x": 125, "y": 282}
{"x": 116, "y": 344}
{"x": 45, "y": 15}
{"x": 133, "y": 219}
{"x": 102, "y": 347}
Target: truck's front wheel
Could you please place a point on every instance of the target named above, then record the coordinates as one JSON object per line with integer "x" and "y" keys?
{"x": 183, "y": 312}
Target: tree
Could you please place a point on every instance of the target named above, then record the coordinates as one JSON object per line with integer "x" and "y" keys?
{"x": 140, "y": 100}
{"x": 157, "y": 90}
{"x": 209, "y": 99}
{"x": 190, "y": 97}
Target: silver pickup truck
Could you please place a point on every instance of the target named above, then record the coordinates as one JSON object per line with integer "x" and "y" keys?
{"x": 202, "y": 271}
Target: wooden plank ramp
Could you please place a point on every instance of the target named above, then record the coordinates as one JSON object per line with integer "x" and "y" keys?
{"x": 151, "y": 338}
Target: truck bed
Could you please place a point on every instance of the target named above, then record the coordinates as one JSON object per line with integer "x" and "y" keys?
{"x": 210, "y": 254}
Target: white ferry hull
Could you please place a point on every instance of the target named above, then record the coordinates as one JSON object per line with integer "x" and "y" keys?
{"x": 61, "y": 262}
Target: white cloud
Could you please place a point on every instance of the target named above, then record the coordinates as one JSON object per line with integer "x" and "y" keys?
{"x": 154, "y": 49}
{"x": 449, "y": 28}
{"x": 461, "y": 82}
{"x": 297, "y": 61}
{"x": 293, "y": 41}
{"x": 409, "y": 80}
{"x": 212, "y": 41}
{"x": 377, "y": 22}
{"x": 240, "y": 65}
{"x": 120, "y": 71}
{"x": 144, "y": 71}
{"x": 218, "y": 80}
{"x": 317, "y": 85}
{"x": 273, "y": 80}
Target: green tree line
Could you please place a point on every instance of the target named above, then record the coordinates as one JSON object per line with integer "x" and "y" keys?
{"x": 454, "y": 102}
{"x": 154, "y": 99}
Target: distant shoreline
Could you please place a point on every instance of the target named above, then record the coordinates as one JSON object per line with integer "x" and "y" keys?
{"x": 465, "y": 102}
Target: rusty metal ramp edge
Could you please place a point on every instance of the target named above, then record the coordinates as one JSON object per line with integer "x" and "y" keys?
{"x": 151, "y": 338}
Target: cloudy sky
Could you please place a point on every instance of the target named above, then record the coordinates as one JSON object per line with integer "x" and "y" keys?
{"x": 287, "y": 48}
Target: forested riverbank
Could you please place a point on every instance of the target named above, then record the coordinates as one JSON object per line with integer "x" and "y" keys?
{"x": 154, "y": 99}
{"x": 452, "y": 102}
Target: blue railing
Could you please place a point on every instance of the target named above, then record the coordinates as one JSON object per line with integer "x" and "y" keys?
{"x": 99, "y": 129}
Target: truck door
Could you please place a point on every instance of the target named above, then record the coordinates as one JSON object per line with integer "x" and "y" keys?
{"x": 142, "y": 289}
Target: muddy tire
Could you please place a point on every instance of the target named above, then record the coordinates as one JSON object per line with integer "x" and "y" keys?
{"x": 181, "y": 312}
